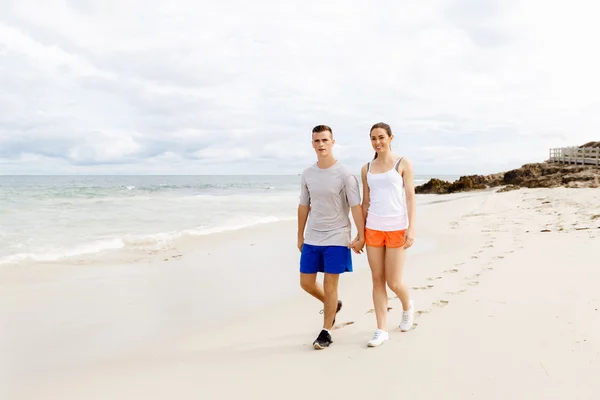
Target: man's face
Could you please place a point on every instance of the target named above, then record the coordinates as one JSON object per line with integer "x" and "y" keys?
{"x": 322, "y": 143}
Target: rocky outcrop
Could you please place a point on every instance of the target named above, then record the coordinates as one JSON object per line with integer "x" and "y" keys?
{"x": 553, "y": 175}
{"x": 434, "y": 185}
{"x": 463, "y": 184}
{"x": 509, "y": 188}
{"x": 529, "y": 175}
{"x": 590, "y": 144}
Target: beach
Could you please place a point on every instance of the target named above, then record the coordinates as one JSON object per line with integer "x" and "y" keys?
{"x": 505, "y": 287}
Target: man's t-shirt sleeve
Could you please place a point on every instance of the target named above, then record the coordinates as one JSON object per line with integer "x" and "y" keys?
{"x": 352, "y": 190}
{"x": 304, "y": 194}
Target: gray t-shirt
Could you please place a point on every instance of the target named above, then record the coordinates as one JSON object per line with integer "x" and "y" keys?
{"x": 330, "y": 193}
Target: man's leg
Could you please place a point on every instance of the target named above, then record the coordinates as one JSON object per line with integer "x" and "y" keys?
{"x": 336, "y": 261}
{"x": 309, "y": 283}
{"x": 311, "y": 262}
{"x": 330, "y": 282}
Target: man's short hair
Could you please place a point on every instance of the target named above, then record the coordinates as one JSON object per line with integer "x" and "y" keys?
{"x": 322, "y": 128}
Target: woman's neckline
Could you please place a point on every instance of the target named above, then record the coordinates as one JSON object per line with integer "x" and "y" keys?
{"x": 386, "y": 172}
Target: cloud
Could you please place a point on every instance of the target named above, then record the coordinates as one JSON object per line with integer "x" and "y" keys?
{"x": 235, "y": 87}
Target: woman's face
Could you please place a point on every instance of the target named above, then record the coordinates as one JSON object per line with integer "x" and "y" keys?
{"x": 380, "y": 140}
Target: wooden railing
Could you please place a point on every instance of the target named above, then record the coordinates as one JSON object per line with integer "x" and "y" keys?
{"x": 576, "y": 155}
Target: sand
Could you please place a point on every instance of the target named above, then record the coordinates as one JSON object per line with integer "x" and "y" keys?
{"x": 505, "y": 284}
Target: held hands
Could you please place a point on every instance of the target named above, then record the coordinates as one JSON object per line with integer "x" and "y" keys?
{"x": 357, "y": 245}
{"x": 409, "y": 238}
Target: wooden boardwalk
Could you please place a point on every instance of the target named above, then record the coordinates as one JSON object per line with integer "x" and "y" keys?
{"x": 576, "y": 155}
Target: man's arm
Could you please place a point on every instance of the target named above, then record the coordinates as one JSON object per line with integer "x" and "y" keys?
{"x": 353, "y": 197}
{"x": 359, "y": 221}
{"x": 303, "y": 210}
{"x": 411, "y": 203}
{"x": 302, "y": 218}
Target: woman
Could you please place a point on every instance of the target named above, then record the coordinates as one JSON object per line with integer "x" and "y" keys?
{"x": 389, "y": 209}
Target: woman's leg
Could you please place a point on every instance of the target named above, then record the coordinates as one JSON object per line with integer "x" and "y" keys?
{"x": 394, "y": 266}
{"x": 376, "y": 257}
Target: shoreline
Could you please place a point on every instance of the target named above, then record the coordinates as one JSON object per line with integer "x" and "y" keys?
{"x": 86, "y": 331}
{"x": 122, "y": 249}
{"x": 81, "y": 218}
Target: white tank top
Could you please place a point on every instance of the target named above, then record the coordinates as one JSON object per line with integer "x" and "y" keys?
{"x": 387, "y": 204}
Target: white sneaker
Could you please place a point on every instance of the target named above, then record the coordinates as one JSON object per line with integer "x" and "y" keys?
{"x": 407, "y": 318}
{"x": 379, "y": 337}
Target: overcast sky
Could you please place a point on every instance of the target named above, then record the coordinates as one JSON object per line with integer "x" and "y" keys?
{"x": 235, "y": 86}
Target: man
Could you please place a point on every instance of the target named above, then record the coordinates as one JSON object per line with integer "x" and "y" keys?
{"x": 328, "y": 192}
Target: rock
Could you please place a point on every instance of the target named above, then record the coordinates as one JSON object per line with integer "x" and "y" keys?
{"x": 590, "y": 144}
{"x": 466, "y": 183}
{"x": 508, "y": 188}
{"x": 521, "y": 175}
{"x": 495, "y": 179}
{"x": 540, "y": 175}
{"x": 434, "y": 186}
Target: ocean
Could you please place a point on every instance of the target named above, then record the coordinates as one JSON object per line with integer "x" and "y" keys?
{"x": 56, "y": 218}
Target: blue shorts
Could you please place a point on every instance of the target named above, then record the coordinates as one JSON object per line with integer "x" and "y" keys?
{"x": 328, "y": 259}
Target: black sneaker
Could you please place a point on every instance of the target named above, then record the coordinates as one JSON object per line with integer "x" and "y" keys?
{"x": 324, "y": 340}
{"x": 339, "y": 307}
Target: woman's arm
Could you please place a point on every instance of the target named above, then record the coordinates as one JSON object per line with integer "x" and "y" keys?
{"x": 411, "y": 203}
{"x": 365, "y": 185}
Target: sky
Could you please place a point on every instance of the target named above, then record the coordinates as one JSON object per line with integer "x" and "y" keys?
{"x": 235, "y": 87}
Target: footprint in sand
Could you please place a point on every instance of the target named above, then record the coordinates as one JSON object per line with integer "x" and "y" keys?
{"x": 498, "y": 257}
{"x": 473, "y": 276}
{"x": 441, "y": 303}
{"x": 451, "y": 271}
{"x": 422, "y": 312}
{"x": 473, "y": 283}
{"x": 457, "y": 292}
{"x": 422, "y": 287}
{"x": 342, "y": 324}
{"x": 372, "y": 310}
{"x": 434, "y": 279}
{"x": 474, "y": 257}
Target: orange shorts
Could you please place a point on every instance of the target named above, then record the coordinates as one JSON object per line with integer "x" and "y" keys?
{"x": 392, "y": 239}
